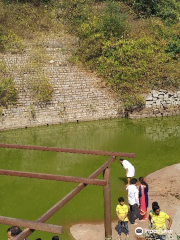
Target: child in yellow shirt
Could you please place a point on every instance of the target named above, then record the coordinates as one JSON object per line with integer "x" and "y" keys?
{"x": 122, "y": 212}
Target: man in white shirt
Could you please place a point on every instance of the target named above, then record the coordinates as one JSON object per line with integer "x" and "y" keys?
{"x": 130, "y": 170}
{"x": 133, "y": 199}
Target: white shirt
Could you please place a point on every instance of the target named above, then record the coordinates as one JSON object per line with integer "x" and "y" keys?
{"x": 133, "y": 194}
{"x": 127, "y": 165}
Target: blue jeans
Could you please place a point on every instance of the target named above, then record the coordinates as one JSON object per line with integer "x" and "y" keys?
{"x": 120, "y": 227}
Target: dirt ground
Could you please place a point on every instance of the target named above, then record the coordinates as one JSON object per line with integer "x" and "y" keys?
{"x": 164, "y": 188}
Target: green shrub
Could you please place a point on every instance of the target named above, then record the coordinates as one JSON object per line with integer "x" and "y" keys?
{"x": 132, "y": 100}
{"x": 3, "y": 68}
{"x": 85, "y": 20}
{"x": 41, "y": 89}
{"x": 169, "y": 12}
{"x": 104, "y": 23}
{"x": 144, "y": 8}
{"x": 38, "y": 56}
{"x": 112, "y": 21}
{"x": 75, "y": 12}
{"x": 159, "y": 30}
{"x": 173, "y": 48}
{"x": 9, "y": 41}
{"x": 8, "y": 92}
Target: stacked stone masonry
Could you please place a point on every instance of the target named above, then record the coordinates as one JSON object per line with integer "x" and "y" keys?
{"x": 78, "y": 95}
{"x": 160, "y": 103}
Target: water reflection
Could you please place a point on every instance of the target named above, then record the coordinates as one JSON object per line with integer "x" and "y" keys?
{"x": 159, "y": 129}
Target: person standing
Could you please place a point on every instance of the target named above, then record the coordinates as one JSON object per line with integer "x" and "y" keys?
{"x": 157, "y": 221}
{"x": 143, "y": 198}
{"x": 122, "y": 212}
{"x": 130, "y": 170}
{"x": 133, "y": 199}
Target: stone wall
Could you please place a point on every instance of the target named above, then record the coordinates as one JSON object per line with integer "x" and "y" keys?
{"x": 159, "y": 104}
{"x": 78, "y": 95}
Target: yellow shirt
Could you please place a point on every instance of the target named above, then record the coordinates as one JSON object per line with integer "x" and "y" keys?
{"x": 159, "y": 221}
{"x": 122, "y": 210}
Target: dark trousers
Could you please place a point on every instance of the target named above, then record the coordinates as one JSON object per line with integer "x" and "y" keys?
{"x": 120, "y": 224}
{"x": 133, "y": 209}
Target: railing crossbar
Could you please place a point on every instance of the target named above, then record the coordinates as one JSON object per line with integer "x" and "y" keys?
{"x": 68, "y": 150}
{"x": 63, "y": 178}
{"x": 33, "y": 225}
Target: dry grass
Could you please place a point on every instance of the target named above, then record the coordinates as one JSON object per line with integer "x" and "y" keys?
{"x": 26, "y": 20}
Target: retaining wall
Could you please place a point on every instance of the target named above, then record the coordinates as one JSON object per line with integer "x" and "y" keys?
{"x": 78, "y": 95}
{"x": 159, "y": 104}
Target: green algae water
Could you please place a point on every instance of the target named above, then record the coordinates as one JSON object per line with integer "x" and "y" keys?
{"x": 156, "y": 143}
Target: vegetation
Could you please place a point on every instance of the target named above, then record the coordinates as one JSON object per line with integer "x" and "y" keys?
{"x": 22, "y": 22}
{"x": 134, "y": 45}
{"x": 41, "y": 89}
{"x": 135, "y": 49}
{"x": 8, "y": 92}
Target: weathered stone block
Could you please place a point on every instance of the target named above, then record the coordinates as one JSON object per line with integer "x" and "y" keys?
{"x": 161, "y": 96}
{"x": 158, "y": 115}
{"x": 154, "y": 93}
